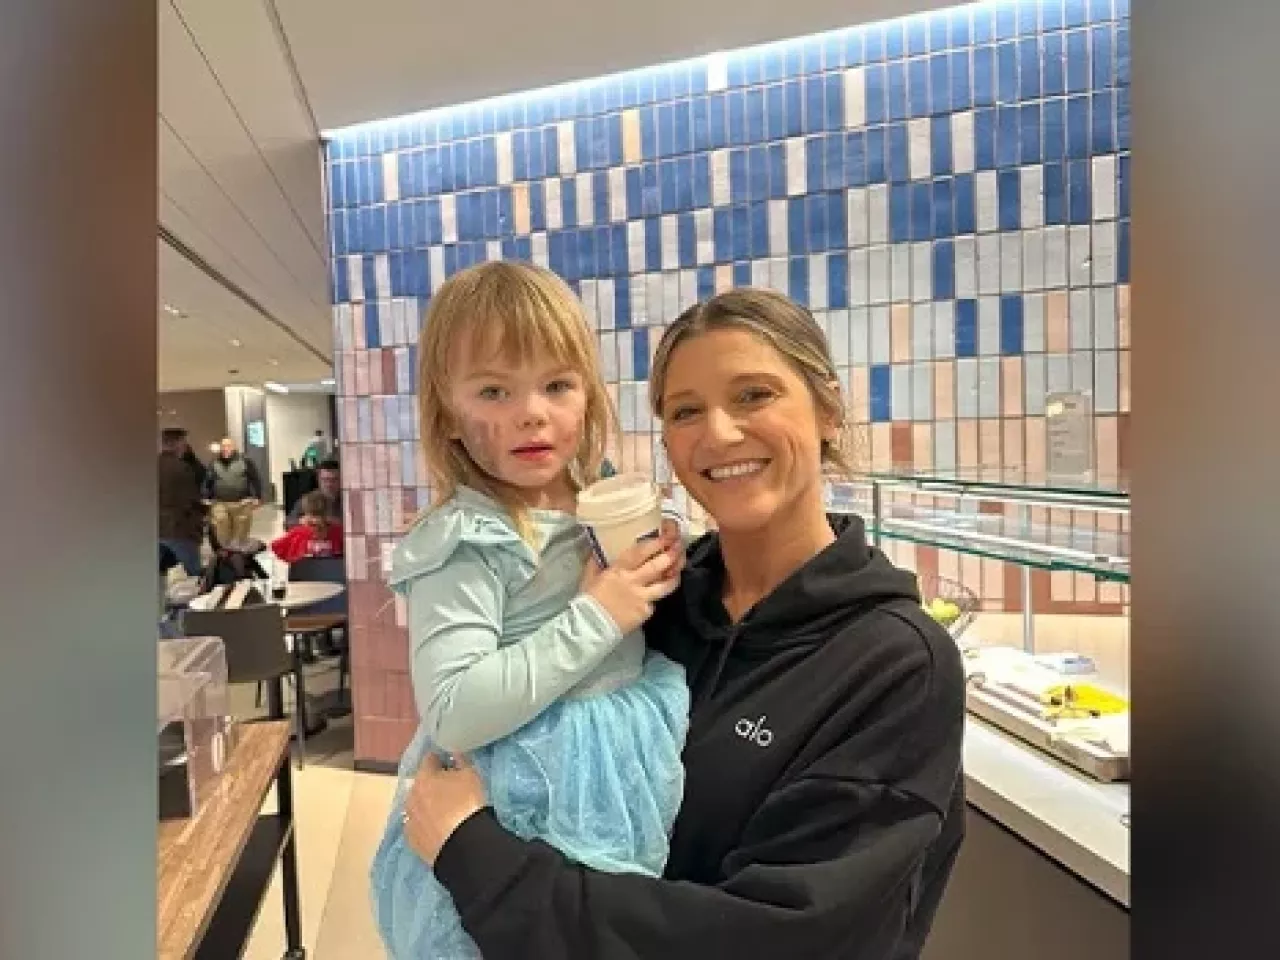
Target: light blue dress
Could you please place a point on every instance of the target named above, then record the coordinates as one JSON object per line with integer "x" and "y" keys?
{"x": 576, "y": 730}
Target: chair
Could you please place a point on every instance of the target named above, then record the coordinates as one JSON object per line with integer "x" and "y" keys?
{"x": 253, "y": 637}
{"x": 322, "y": 619}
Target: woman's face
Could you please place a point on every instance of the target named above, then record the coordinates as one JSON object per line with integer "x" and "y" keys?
{"x": 742, "y": 431}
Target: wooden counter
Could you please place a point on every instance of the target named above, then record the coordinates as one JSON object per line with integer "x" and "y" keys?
{"x": 213, "y": 868}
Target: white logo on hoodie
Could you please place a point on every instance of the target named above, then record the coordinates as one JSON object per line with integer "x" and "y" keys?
{"x": 754, "y": 731}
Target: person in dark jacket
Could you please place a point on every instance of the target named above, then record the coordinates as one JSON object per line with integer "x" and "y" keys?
{"x": 181, "y": 515}
{"x": 233, "y": 486}
{"x": 824, "y": 801}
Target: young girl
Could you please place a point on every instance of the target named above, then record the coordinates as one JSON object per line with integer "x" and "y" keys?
{"x": 314, "y": 536}
{"x": 523, "y": 655}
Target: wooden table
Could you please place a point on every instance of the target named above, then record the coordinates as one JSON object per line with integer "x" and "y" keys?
{"x": 214, "y": 868}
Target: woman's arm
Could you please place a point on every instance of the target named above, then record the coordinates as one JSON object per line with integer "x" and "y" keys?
{"x": 471, "y": 689}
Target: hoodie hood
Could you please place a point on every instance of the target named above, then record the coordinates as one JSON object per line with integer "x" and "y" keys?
{"x": 848, "y": 576}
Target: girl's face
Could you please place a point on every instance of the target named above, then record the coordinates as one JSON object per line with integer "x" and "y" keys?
{"x": 742, "y": 431}
{"x": 521, "y": 424}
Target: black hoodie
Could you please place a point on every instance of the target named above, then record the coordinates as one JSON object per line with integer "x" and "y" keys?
{"x": 823, "y": 805}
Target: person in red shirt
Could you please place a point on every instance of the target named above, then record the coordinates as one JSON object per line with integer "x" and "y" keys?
{"x": 315, "y": 534}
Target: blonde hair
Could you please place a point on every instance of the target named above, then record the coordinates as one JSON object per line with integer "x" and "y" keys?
{"x": 788, "y": 328}
{"x": 517, "y": 311}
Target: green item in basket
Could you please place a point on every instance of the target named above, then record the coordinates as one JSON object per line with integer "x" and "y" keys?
{"x": 943, "y": 610}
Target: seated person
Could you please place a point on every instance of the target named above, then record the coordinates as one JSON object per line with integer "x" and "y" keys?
{"x": 329, "y": 478}
{"x": 316, "y": 534}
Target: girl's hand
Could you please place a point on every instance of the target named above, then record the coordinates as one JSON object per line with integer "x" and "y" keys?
{"x": 640, "y": 577}
{"x": 439, "y": 802}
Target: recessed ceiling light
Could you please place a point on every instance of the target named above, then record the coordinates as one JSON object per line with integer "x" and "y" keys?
{"x": 275, "y": 387}
{"x": 274, "y": 362}
{"x": 328, "y": 382}
{"x": 235, "y": 342}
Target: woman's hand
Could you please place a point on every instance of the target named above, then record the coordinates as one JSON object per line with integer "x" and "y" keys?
{"x": 642, "y": 575}
{"x": 439, "y": 801}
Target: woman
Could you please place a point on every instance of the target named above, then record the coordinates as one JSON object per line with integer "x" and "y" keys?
{"x": 823, "y": 806}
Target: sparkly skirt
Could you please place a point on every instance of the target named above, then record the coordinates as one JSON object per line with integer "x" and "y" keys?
{"x": 598, "y": 777}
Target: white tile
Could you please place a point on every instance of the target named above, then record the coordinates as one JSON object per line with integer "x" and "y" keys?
{"x": 760, "y": 273}
{"x": 778, "y": 274}
{"x": 435, "y": 260}
{"x": 493, "y": 250}
{"x": 858, "y": 292}
{"x": 856, "y": 214}
{"x": 900, "y": 391}
{"x": 838, "y": 334}
{"x": 944, "y": 329}
{"x": 1033, "y": 384}
{"x": 586, "y": 200}
{"x": 881, "y": 335}
{"x": 988, "y": 201}
{"x": 554, "y": 204}
{"x": 655, "y": 299}
{"x": 1103, "y": 185}
{"x": 635, "y": 247}
{"x": 1082, "y": 371}
{"x": 640, "y": 302}
{"x": 878, "y": 274}
{"x": 1011, "y": 262}
{"x": 1033, "y": 259}
{"x": 670, "y": 296}
{"x": 878, "y": 213}
{"x": 796, "y": 170}
{"x": 922, "y": 331}
{"x": 506, "y": 158}
{"x": 606, "y": 303}
{"x": 704, "y": 234}
{"x": 859, "y": 336}
{"x": 900, "y": 255}
{"x": 538, "y": 251}
{"x": 1105, "y": 321}
{"x": 944, "y": 445}
{"x": 568, "y": 151}
{"x": 989, "y": 387}
{"x": 669, "y": 232}
{"x": 966, "y": 249}
{"x": 688, "y": 290}
{"x": 617, "y": 181}
{"x": 921, "y": 272}
{"x": 1080, "y": 306}
{"x": 1080, "y": 248}
{"x": 1033, "y": 320}
{"x": 449, "y": 217}
{"x": 608, "y": 356}
{"x": 587, "y": 294}
{"x": 921, "y": 392}
{"x": 382, "y": 278}
{"x": 1058, "y": 378}
{"x": 1055, "y": 257}
{"x": 391, "y": 177}
{"x": 962, "y": 144}
{"x": 355, "y": 278}
{"x": 919, "y": 149}
{"x": 989, "y": 326}
{"x": 720, "y": 178}
{"x": 966, "y": 388}
{"x": 989, "y": 263}
{"x": 818, "y": 281}
{"x": 717, "y": 72}
{"x": 1031, "y": 192}
{"x": 855, "y": 98}
{"x": 778, "y": 239}
{"x": 1104, "y": 267}
{"x": 1106, "y": 381}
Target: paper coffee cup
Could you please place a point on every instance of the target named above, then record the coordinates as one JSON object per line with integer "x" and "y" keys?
{"x": 619, "y": 511}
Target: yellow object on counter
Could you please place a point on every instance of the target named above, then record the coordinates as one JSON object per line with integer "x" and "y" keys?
{"x": 1083, "y": 699}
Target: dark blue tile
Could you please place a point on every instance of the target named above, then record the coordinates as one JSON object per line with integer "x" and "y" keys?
{"x": 838, "y": 280}
{"x": 686, "y": 183}
{"x": 873, "y": 42}
{"x": 706, "y": 283}
{"x": 921, "y": 211}
{"x": 1028, "y": 18}
{"x": 717, "y": 121}
{"x": 1099, "y": 10}
{"x": 797, "y": 231}
{"x": 815, "y": 178}
{"x": 687, "y": 241}
{"x": 966, "y": 328}
{"x": 742, "y": 274}
{"x": 600, "y": 196}
{"x": 816, "y": 223}
{"x": 895, "y": 40}
{"x": 540, "y": 165}
{"x": 341, "y": 284}
{"x": 944, "y": 224}
{"x": 738, "y": 176}
{"x": 815, "y": 104}
{"x": 1122, "y": 9}
{"x": 1055, "y": 77}
{"x": 737, "y": 118}
{"x": 1050, "y": 15}
{"x": 682, "y": 126}
{"x": 837, "y": 220}
{"x": 640, "y": 352}
{"x": 833, "y": 52}
{"x": 961, "y": 97}
{"x": 966, "y": 204}
{"x": 635, "y": 194}
{"x": 944, "y": 270}
{"x": 1103, "y": 116}
{"x": 1008, "y": 135}
{"x": 855, "y": 159}
{"x": 477, "y": 164}
{"x": 417, "y": 235}
{"x": 939, "y": 31}
{"x": 1007, "y": 73}
{"x": 369, "y": 276}
{"x": 394, "y": 238}
{"x": 961, "y": 26}
{"x": 555, "y": 253}
{"x": 434, "y": 223}
{"x": 877, "y": 168}
{"x": 793, "y": 92}
{"x": 1077, "y": 61}
{"x": 1032, "y": 135}
{"x": 917, "y": 29}
{"x": 918, "y": 87}
{"x": 372, "y": 331}
{"x": 984, "y": 138}
{"x": 1122, "y": 251}
{"x": 881, "y": 393}
{"x": 855, "y": 53}
{"x": 832, "y": 162}
{"x": 1078, "y": 196}
{"x": 1053, "y": 119}
{"x": 811, "y": 51}
{"x": 984, "y": 23}
{"x": 759, "y": 232}
{"x": 1122, "y": 184}
{"x": 652, "y": 245}
{"x": 520, "y": 155}
{"x": 1011, "y": 339}
{"x": 1078, "y": 127}
{"x": 897, "y": 90}
{"x": 792, "y": 62}
{"x": 700, "y": 121}
{"x": 877, "y": 103}
{"x": 940, "y": 145}
{"x": 741, "y": 233}
{"x": 833, "y": 102}
{"x": 940, "y": 83}
{"x": 669, "y": 181}
{"x": 568, "y": 203}
{"x": 898, "y": 153}
{"x": 899, "y": 213}
{"x": 798, "y": 280}
{"x": 666, "y": 130}
{"x": 1102, "y": 57}
{"x": 537, "y": 206}
{"x": 702, "y": 181}
{"x": 1029, "y": 68}
{"x": 661, "y": 85}
{"x": 777, "y": 171}
{"x": 1009, "y": 196}
{"x": 374, "y": 229}
{"x": 681, "y": 81}
{"x": 756, "y": 128}
{"x": 735, "y": 70}
{"x": 758, "y": 173}
{"x": 722, "y": 233}
{"x": 622, "y": 302}
{"x": 984, "y": 76}
{"x": 618, "y": 245}
{"x": 1006, "y": 19}
{"x": 587, "y": 263}
{"x": 775, "y": 112}
{"x": 1055, "y": 194}
{"x": 1122, "y": 118}
{"x": 774, "y": 65}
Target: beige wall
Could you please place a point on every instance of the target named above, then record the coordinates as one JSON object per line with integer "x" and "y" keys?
{"x": 202, "y": 412}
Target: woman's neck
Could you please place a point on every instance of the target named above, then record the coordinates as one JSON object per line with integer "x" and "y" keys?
{"x": 757, "y": 561}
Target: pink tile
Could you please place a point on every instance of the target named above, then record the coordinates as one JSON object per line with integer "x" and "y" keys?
{"x": 1057, "y": 327}
{"x": 900, "y": 333}
{"x": 989, "y": 451}
{"x": 368, "y": 466}
{"x": 362, "y": 379}
{"x": 1107, "y": 443}
{"x": 379, "y": 415}
{"x": 967, "y": 442}
{"x": 375, "y": 371}
{"x": 881, "y": 446}
{"x": 944, "y": 390}
{"x": 359, "y": 340}
{"x": 1011, "y": 386}
{"x": 1035, "y": 449}
{"x": 922, "y": 446}
{"x": 1014, "y": 456}
{"x": 858, "y": 400}
{"x": 1126, "y": 397}
{"x": 381, "y": 466}
{"x": 1122, "y": 314}
{"x": 350, "y": 420}
{"x": 349, "y": 375}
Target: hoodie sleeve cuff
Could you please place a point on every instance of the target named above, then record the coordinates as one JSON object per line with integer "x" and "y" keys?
{"x": 479, "y": 858}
